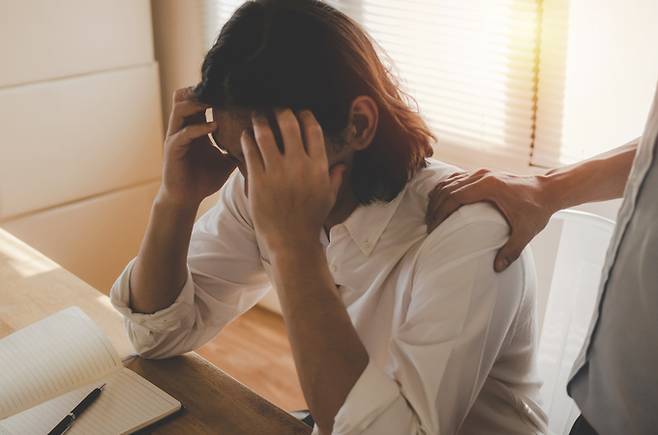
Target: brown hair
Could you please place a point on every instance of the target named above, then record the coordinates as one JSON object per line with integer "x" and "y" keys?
{"x": 304, "y": 54}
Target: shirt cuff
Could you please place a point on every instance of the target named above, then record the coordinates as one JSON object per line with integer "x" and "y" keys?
{"x": 370, "y": 396}
{"x": 165, "y": 320}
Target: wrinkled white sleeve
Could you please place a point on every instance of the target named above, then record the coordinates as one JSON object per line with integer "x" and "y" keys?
{"x": 459, "y": 315}
{"x": 225, "y": 278}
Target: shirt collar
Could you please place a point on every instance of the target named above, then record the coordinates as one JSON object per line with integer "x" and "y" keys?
{"x": 367, "y": 223}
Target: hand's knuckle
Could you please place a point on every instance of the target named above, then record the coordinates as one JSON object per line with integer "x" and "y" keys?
{"x": 314, "y": 129}
{"x": 179, "y": 93}
{"x": 263, "y": 134}
{"x": 487, "y": 179}
{"x": 481, "y": 172}
{"x": 286, "y": 124}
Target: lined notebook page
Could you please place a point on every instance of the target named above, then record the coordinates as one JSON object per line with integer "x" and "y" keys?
{"x": 128, "y": 403}
{"x": 53, "y": 356}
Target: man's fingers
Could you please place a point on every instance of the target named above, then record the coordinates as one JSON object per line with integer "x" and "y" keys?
{"x": 454, "y": 182}
{"x": 476, "y": 191}
{"x": 441, "y": 212}
{"x": 191, "y": 132}
{"x": 441, "y": 204}
{"x": 183, "y": 94}
{"x": 510, "y": 251}
{"x": 290, "y": 132}
{"x": 445, "y": 199}
{"x": 182, "y": 110}
{"x": 456, "y": 176}
{"x": 313, "y": 136}
{"x": 251, "y": 154}
{"x": 449, "y": 184}
{"x": 265, "y": 139}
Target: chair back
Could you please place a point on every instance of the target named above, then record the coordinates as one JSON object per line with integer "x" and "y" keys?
{"x": 569, "y": 256}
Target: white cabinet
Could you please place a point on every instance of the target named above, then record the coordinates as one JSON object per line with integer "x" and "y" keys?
{"x": 45, "y": 39}
{"x": 73, "y": 138}
{"x": 94, "y": 238}
{"x": 81, "y": 143}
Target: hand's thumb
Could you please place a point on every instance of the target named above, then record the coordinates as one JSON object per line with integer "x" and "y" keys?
{"x": 508, "y": 254}
{"x": 336, "y": 174}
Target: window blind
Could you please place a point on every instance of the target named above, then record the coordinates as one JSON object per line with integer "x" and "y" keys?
{"x": 597, "y": 75}
{"x": 469, "y": 64}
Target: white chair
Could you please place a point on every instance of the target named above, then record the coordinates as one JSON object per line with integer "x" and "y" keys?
{"x": 569, "y": 256}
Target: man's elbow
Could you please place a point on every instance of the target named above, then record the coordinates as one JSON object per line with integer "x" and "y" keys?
{"x": 153, "y": 345}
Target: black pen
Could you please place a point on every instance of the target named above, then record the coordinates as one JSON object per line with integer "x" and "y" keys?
{"x": 67, "y": 421}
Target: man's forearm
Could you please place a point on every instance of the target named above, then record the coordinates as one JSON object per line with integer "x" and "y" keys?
{"x": 328, "y": 352}
{"x": 160, "y": 269}
{"x": 598, "y": 179}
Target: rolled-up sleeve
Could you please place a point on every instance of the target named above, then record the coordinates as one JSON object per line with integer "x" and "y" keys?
{"x": 148, "y": 331}
{"x": 225, "y": 278}
{"x": 459, "y": 316}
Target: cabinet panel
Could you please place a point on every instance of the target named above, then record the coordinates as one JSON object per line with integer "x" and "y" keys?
{"x": 46, "y": 39}
{"x": 69, "y": 139}
{"x": 94, "y": 238}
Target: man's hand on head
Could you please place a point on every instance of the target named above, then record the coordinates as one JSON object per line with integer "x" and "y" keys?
{"x": 524, "y": 201}
{"x": 193, "y": 168}
{"x": 292, "y": 192}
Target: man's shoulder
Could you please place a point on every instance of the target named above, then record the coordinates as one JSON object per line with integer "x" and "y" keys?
{"x": 422, "y": 184}
{"x": 426, "y": 178}
{"x": 471, "y": 228}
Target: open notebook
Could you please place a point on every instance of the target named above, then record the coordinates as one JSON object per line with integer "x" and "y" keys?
{"x": 50, "y": 366}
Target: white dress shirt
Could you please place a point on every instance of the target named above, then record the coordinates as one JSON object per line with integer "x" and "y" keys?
{"x": 451, "y": 343}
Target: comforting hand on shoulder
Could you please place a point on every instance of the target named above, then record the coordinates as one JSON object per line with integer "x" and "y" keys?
{"x": 524, "y": 201}
{"x": 292, "y": 192}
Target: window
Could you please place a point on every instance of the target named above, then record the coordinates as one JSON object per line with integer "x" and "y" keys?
{"x": 514, "y": 83}
{"x": 597, "y": 76}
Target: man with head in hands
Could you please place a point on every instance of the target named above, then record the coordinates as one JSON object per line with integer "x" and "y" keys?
{"x": 393, "y": 331}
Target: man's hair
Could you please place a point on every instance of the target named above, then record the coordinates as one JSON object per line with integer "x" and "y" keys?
{"x": 304, "y": 54}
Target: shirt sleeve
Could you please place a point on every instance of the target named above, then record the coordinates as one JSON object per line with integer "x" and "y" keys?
{"x": 459, "y": 315}
{"x": 225, "y": 278}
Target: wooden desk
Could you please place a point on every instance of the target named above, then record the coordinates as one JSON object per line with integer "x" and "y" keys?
{"x": 33, "y": 287}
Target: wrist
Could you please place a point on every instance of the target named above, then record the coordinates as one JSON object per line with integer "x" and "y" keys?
{"x": 298, "y": 262}
{"x": 293, "y": 244}
{"x": 173, "y": 214}
{"x": 294, "y": 252}
{"x": 167, "y": 202}
{"x": 555, "y": 192}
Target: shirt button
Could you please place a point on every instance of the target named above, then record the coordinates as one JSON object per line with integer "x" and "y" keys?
{"x": 366, "y": 244}
{"x": 334, "y": 268}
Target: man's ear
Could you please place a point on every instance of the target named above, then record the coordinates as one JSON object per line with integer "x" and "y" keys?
{"x": 364, "y": 117}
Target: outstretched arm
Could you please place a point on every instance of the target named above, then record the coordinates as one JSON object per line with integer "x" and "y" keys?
{"x": 528, "y": 202}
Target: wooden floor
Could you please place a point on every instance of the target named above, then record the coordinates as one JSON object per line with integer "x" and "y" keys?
{"x": 255, "y": 350}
